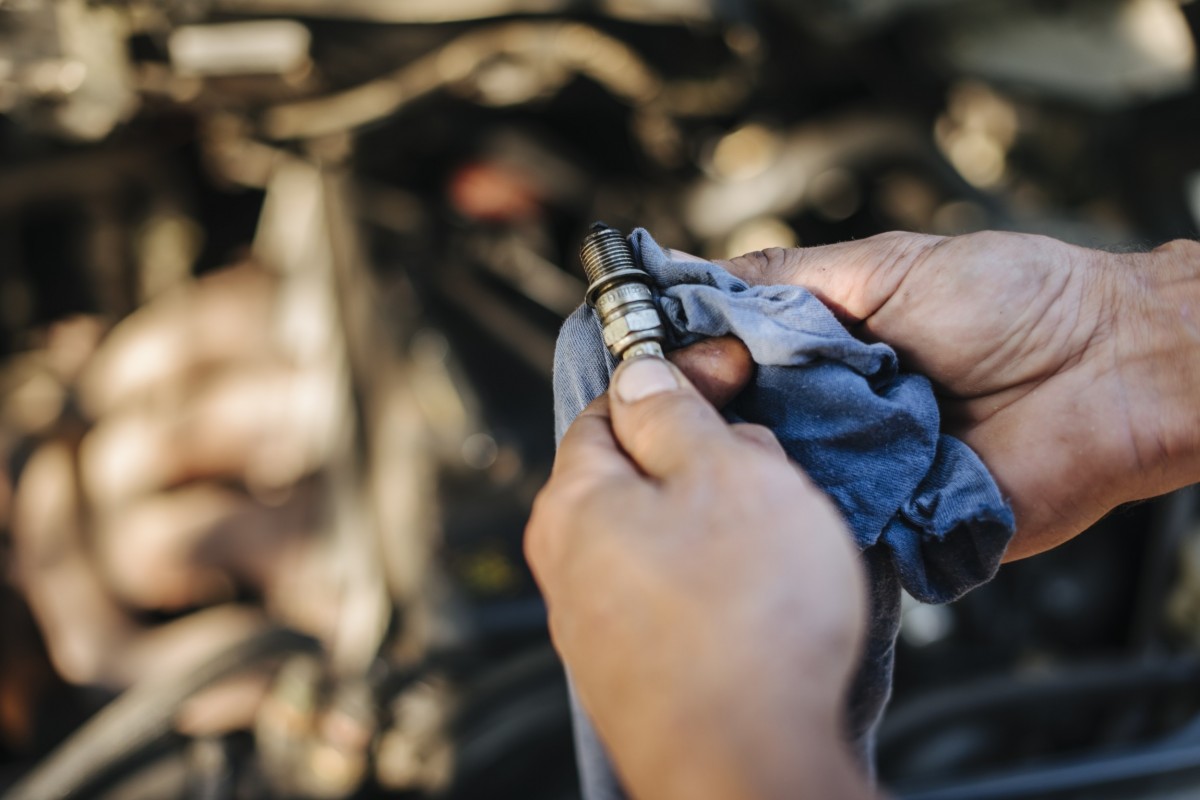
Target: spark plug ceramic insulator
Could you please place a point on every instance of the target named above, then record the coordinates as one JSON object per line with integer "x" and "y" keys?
{"x": 619, "y": 290}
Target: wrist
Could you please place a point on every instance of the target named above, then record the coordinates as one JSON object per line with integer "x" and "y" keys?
{"x": 784, "y": 753}
{"x": 1158, "y": 335}
{"x": 727, "y": 727}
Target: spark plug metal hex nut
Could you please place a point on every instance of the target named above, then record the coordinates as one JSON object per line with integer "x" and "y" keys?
{"x": 619, "y": 290}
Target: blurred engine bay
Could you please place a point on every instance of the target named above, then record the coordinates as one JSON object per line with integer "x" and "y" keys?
{"x": 279, "y": 287}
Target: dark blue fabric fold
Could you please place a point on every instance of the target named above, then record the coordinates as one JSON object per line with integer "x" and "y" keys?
{"x": 921, "y": 506}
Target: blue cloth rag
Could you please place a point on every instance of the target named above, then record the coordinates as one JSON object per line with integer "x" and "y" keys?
{"x": 922, "y": 508}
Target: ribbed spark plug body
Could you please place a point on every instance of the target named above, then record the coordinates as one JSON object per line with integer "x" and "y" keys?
{"x": 619, "y": 290}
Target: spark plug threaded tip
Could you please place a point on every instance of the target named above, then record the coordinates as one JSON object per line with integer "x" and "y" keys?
{"x": 604, "y": 252}
{"x": 608, "y": 260}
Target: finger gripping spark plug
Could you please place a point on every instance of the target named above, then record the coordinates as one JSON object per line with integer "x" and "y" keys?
{"x": 619, "y": 290}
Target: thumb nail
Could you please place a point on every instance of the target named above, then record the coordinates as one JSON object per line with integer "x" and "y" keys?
{"x": 644, "y": 377}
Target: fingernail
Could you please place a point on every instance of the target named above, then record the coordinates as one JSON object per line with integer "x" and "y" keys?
{"x": 644, "y": 377}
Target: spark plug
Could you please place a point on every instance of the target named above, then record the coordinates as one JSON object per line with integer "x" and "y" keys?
{"x": 619, "y": 290}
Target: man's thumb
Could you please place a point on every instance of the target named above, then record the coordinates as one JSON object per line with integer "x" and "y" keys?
{"x": 660, "y": 419}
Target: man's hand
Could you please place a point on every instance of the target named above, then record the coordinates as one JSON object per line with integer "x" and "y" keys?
{"x": 1073, "y": 373}
{"x": 705, "y": 596}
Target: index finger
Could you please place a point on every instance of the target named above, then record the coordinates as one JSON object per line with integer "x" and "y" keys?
{"x": 661, "y": 420}
{"x": 854, "y": 279}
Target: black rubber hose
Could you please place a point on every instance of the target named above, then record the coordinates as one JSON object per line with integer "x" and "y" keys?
{"x": 1006, "y": 693}
{"x": 1174, "y": 519}
{"x": 142, "y": 715}
{"x": 1074, "y": 777}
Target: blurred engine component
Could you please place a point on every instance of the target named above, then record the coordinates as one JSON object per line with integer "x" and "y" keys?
{"x": 65, "y": 67}
{"x": 279, "y": 290}
{"x": 1107, "y": 53}
{"x": 240, "y": 48}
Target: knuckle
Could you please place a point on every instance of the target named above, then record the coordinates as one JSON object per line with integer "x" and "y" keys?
{"x": 893, "y": 240}
{"x": 765, "y": 267}
{"x": 895, "y": 253}
{"x": 534, "y": 543}
{"x": 550, "y": 509}
{"x": 761, "y": 438}
{"x": 896, "y": 247}
{"x": 987, "y": 240}
{"x": 557, "y": 507}
{"x": 752, "y": 430}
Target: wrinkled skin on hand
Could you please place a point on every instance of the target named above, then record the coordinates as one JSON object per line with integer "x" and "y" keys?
{"x": 702, "y": 631}
{"x": 1072, "y": 372}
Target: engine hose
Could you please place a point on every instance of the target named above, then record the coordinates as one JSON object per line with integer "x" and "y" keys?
{"x": 1005, "y": 692}
{"x": 141, "y": 715}
{"x": 1071, "y": 778}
